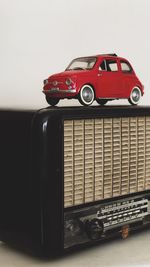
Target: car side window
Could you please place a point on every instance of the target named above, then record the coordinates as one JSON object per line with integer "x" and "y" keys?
{"x": 103, "y": 65}
{"x": 111, "y": 65}
{"x": 125, "y": 66}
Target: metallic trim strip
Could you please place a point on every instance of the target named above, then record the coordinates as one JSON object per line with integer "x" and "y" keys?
{"x": 59, "y": 91}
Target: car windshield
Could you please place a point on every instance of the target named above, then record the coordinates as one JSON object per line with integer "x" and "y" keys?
{"x": 85, "y": 63}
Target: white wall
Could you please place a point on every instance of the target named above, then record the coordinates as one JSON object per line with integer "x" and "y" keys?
{"x": 40, "y": 37}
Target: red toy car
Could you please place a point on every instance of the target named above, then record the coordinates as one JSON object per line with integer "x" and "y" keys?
{"x": 101, "y": 78}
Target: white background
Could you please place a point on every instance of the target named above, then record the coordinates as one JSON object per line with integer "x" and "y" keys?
{"x": 39, "y": 38}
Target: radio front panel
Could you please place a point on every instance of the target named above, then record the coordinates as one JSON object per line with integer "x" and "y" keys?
{"x": 106, "y": 160}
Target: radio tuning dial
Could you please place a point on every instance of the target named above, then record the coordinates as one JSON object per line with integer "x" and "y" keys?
{"x": 94, "y": 229}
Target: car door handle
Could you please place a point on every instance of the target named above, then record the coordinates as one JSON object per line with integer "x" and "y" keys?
{"x": 99, "y": 74}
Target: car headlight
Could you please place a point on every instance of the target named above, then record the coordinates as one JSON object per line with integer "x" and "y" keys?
{"x": 45, "y": 81}
{"x": 68, "y": 81}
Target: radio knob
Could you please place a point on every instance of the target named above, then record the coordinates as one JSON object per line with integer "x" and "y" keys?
{"x": 94, "y": 229}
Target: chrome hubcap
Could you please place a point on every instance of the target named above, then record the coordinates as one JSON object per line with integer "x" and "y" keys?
{"x": 135, "y": 95}
{"x": 87, "y": 94}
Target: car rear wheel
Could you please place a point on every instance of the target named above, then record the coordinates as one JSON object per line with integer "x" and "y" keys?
{"x": 52, "y": 101}
{"x": 86, "y": 95}
{"x": 101, "y": 102}
{"x": 135, "y": 96}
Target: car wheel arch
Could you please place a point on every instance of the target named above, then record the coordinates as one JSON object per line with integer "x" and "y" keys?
{"x": 136, "y": 86}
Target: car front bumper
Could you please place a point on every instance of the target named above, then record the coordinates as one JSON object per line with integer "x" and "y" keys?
{"x": 52, "y": 91}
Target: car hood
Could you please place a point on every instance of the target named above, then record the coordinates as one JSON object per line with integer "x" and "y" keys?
{"x": 68, "y": 73}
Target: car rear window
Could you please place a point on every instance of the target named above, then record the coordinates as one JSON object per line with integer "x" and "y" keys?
{"x": 125, "y": 66}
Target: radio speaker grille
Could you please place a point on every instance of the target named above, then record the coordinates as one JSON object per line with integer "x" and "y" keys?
{"x": 105, "y": 158}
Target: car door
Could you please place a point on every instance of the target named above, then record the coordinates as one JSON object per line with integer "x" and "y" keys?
{"x": 109, "y": 80}
{"x": 127, "y": 78}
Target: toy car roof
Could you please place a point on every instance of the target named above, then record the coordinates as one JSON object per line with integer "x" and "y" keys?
{"x": 100, "y": 55}
{"x": 109, "y": 54}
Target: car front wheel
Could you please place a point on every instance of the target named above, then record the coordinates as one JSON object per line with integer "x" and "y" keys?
{"x": 135, "y": 96}
{"x": 52, "y": 101}
{"x": 86, "y": 95}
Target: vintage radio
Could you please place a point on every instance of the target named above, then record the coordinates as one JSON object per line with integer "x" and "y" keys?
{"x": 73, "y": 176}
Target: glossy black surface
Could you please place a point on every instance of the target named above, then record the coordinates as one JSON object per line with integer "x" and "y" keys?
{"x": 31, "y": 173}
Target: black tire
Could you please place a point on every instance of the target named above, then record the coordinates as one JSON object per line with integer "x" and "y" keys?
{"x": 101, "y": 102}
{"x": 86, "y": 95}
{"x": 52, "y": 101}
{"x": 135, "y": 96}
